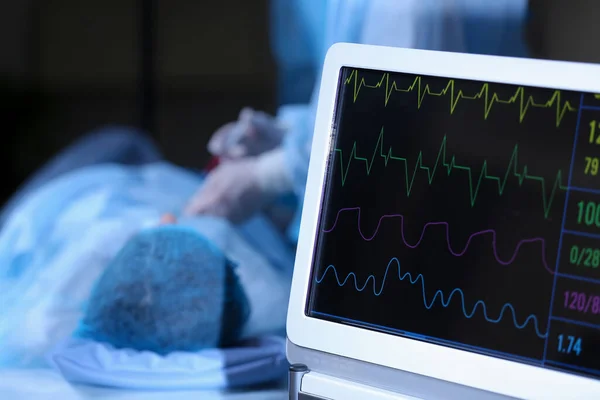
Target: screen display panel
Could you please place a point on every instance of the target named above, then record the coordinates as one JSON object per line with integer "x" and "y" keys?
{"x": 465, "y": 214}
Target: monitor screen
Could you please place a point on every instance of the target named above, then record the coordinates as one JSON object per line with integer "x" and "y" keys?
{"x": 465, "y": 214}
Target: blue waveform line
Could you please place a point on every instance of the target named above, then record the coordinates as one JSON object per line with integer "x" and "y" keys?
{"x": 445, "y": 303}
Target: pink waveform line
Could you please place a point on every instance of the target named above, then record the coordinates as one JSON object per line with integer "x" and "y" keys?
{"x": 452, "y": 251}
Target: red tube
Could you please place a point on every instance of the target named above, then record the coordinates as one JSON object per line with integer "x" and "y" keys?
{"x": 212, "y": 164}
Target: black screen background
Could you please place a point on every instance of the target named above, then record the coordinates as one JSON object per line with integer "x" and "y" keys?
{"x": 518, "y": 213}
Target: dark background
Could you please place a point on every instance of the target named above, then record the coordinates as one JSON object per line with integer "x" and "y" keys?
{"x": 69, "y": 66}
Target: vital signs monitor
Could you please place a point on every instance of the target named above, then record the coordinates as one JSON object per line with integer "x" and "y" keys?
{"x": 450, "y": 239}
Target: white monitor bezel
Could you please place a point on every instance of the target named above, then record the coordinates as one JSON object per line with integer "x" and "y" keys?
{"x": 445, "y": 363}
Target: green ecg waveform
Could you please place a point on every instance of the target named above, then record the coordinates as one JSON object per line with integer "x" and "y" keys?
{"x": 512, "y": 170}
{"x": 489, "y": 99}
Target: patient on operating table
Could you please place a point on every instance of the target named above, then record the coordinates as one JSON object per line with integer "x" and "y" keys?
{"x": 91, "y": 257}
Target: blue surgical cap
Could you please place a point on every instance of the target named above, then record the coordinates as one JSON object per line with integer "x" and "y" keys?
{"x": 169, "y": 289}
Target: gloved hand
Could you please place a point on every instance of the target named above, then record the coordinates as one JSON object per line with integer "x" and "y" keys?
{"x": 239, "y": 188}
{"x": 254, "y": 133}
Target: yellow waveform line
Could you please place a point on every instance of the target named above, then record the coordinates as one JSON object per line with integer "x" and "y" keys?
{"x": 519, "y": 97}
{"x": 597, "y": 96}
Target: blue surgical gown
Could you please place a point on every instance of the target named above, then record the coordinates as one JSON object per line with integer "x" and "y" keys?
{"x": 475, "y": 26}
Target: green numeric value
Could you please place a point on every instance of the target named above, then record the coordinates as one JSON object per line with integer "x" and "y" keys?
{"x": 584, "y": 256}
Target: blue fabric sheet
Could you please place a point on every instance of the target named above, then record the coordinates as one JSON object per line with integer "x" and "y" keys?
{"x": 253, "y": 362}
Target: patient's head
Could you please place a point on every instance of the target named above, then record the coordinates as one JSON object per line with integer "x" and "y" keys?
{"x": 168, "y": 289}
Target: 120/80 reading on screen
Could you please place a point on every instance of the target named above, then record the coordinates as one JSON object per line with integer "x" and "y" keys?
{"x": 582, "y": 302}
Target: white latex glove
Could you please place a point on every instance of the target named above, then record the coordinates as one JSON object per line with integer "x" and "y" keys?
{"x": 254, "y": 132}
{"x": 237, "y": 189}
